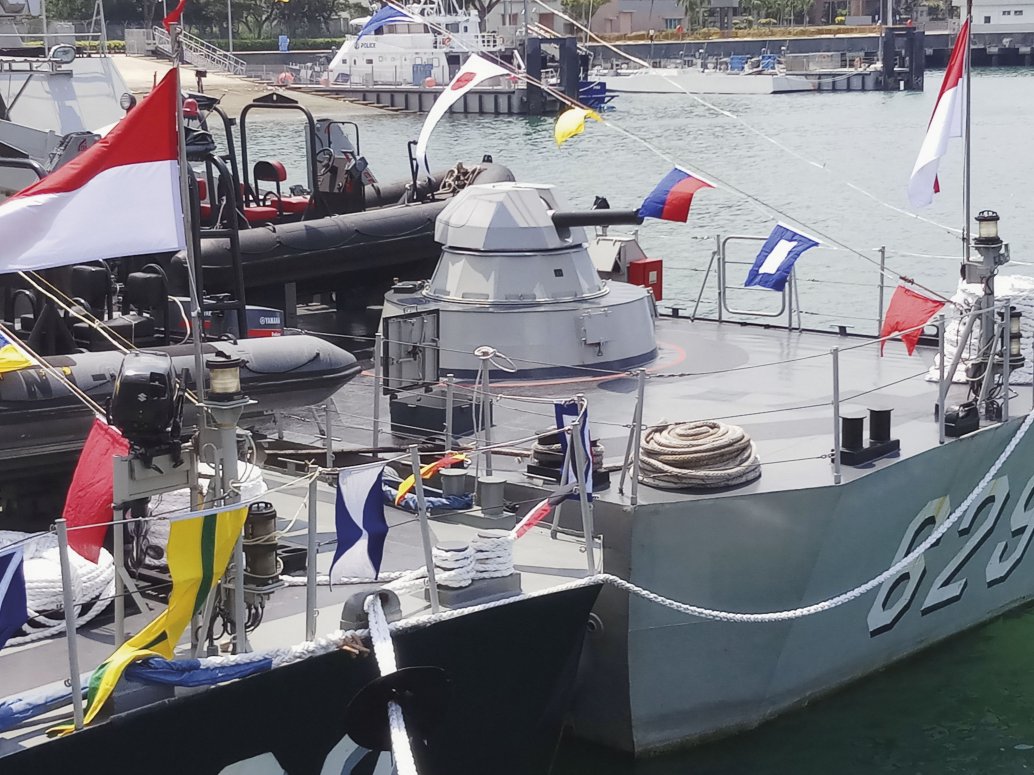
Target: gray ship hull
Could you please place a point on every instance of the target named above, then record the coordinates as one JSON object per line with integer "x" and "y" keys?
{"x": 690, "y": 679}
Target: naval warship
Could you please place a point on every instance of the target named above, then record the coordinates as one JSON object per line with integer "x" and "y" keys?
{"x": 794, "y": 510}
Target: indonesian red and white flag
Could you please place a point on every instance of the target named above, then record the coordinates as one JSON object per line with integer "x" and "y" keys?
{"x": 946, "y": 122}
{"x": 120, "y": 197}
{"x": 474, "y": 71}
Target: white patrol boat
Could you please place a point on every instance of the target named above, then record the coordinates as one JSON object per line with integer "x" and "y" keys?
{"x": 410, "y": 51}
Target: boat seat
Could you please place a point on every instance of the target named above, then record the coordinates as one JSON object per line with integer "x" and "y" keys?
{"x": 202, "y": 195}
{"x": 261, "y": 214}
{"x": 270, "y": 171}
{"x": 292, "y": 205}
{"x": 276, "y": 173}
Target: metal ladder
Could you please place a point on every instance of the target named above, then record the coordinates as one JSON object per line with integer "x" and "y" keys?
{"x": 200, "y": 53}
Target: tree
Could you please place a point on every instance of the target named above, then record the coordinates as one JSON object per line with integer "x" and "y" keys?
{"x": 581, "y": 10}
{"x": 483, "y": 8}
{"x": 693, "y": 10}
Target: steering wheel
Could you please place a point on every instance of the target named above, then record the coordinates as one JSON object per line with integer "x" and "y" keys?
{"x": 324, "y": 161}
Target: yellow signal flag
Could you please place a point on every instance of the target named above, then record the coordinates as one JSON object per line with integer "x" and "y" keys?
{"x": 572, "y": 122}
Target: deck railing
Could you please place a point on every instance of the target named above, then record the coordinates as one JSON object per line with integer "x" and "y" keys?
{"x": 727, "y": 298}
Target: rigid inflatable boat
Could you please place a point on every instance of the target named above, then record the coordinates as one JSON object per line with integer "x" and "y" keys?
{"x": 42, "y": 423}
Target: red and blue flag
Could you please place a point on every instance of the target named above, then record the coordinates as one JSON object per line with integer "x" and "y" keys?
{"x": 671, "y": 199}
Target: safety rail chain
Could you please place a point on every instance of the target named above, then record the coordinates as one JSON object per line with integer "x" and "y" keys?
{"x": 200, "y": 53}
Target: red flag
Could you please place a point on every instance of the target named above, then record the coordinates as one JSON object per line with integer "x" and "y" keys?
{"x": 174, "y": 15}
{"x": 90, "y": 494}
{"x": 908, "y": 310}
{"x": 543, "y": 509}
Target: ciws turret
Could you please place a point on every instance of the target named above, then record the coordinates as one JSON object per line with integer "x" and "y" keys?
{"x": 515, "y": 275}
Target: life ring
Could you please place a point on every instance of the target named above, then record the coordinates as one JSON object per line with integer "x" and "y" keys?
{"x": 446, "y": 40}
{"x": 285, "y": 78}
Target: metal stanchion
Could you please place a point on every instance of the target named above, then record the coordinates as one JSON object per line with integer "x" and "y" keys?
{"x": 70, "y": 631}
{"x": 118, "y": 549}
{"x": 425, "y": 529}
{"x": 837, "y": 476}
{"x": 1006, "y": 367}
{"x": 580, "y": 456}
{"x": 942, "y": 390}
{"x": 310, "y": 562}
{"x": 450, "y": 385}
{"x": 330, "y": 436}
{"x": 378, "y": 377}
{"x": 882, "y": 288}
{"x": 637, "y": 422}
{"x": 486, "y": 416}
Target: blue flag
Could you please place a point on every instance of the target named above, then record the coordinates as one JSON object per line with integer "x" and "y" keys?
{"x": 386, "y": 15}
{"x": 566, "y": 413}
{"x": 14, "y": 611}
{"x": 777, "y": 256}
{"x": 361, "y": 526}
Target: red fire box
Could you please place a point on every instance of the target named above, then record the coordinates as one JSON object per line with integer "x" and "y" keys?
{"x": 649, "y": 273}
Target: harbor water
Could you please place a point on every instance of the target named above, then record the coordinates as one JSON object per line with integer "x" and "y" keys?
{"x": 836, "y": 165}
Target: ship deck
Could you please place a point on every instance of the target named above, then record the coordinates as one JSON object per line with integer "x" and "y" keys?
{"x": 541, "y": 561}
{"x": 777, "y": 384}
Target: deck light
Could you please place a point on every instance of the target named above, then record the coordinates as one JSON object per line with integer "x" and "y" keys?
{"x": 127, "y": 102}
{"x": 987, "y": 228}
{"x": 1015, "y": 337}
{"x": 225, "y": 376}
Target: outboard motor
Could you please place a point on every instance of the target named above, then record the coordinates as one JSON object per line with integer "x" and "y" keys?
{"x": 147, "y": 404}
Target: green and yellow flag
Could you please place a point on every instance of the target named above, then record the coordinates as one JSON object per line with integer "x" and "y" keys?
{"x": 199, "y": 550}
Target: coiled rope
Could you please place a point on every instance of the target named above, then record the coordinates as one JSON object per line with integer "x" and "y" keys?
{"x": 706, "y": 454}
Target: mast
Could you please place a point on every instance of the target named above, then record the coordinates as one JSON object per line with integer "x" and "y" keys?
{"x": 188, "y": 227}
{"x": 967, "y": 167}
